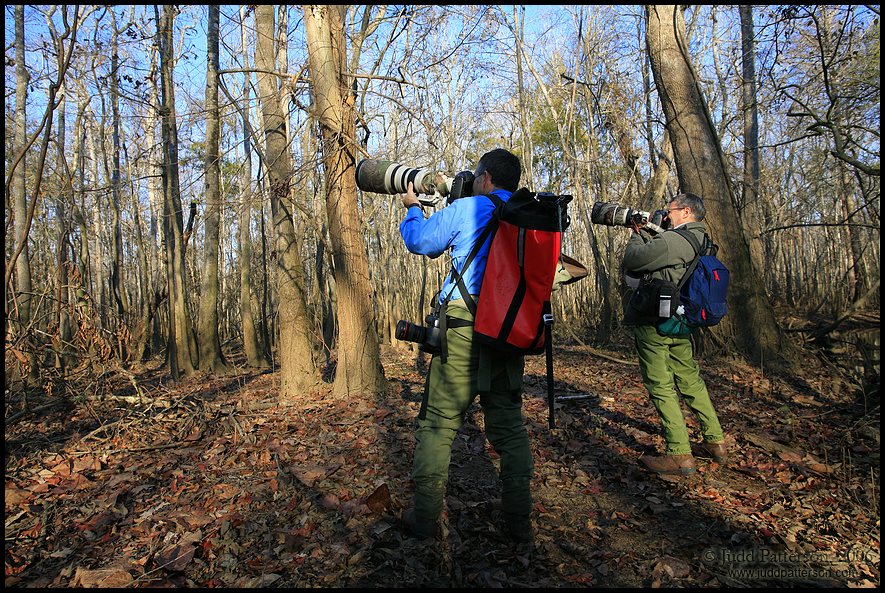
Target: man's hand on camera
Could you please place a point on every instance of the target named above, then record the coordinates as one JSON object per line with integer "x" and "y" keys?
{"x": 634, "y": 226}
{"x": 409, "y": 198}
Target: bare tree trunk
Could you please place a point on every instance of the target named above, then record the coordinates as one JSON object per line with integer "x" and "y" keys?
{"x": 359, "y": 359}
{"x": 211, "y": 358}
{"x": 64, "y": 355}
{"x": 21, "y": 305}
{"x": 117, "y": 262}
{"x": 750, "y": 206}
{"x": 83, "y": 260}
{"x": 181, "y": 360}
{"x": 657, "y": 185}
{"x": 98, "y": 253}
{"x": 701, "y": 170}
{"x": 298, "y": 369}
{"x": 255, "y": 355}
{"x": 526, "y": 136}
{"x": 859, "y": 277}
{"x": 149, "y": 340}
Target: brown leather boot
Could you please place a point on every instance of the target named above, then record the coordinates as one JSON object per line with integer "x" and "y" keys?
{"x": 670, "y": 464}
{"x": 715, "y": 450}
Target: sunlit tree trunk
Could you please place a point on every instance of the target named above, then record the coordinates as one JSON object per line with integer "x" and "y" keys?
{"x": 181, "y": 361}
{"x": 64, "y": 357}
{"x": 701, "y": 170}
{"x": 211, "y": 358}
{"x": 750, "y": 201}
{"x": 21, "y": 301}
{"x": 298, "y": 369}
{"x": 117, "y": 250}
{"x": 359, "y": 367}
{"x": 251, "y": 346}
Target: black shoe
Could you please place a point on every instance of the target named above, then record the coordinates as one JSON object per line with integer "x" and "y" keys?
{"x": 418, "y": 528}
{"x": 519, "y": 528}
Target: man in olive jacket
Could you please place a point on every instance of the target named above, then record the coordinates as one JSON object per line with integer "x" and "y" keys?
{"x": 667, "y": 362}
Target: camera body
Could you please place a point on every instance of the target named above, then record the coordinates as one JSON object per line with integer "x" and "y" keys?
{"x": 428, "y": 337}
{"x": 388, "y": 177}
{"x": 612, "y": 214}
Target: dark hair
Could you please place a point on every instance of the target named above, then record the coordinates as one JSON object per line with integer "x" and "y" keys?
{"x": 692, "y": 201}
{"x": 503, "y": 168}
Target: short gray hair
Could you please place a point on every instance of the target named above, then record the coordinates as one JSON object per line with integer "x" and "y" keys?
{"x": 692, "y": 201}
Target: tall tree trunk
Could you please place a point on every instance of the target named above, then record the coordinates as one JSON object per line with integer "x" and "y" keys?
{"x": 701, "y": 170}
{"x": 97, "y": 210}
{"x": 526, "y": 136}
{"x": 149, "y": 340}
{"x": 298, "y": 369}
{"x": 211, "y": 358}
{"x": 21, "y": 307}
{"x": 255, "y": 355}
{"x": 857, "y": 273}
{"x": 83, "y": 260}
{"x": 64, "y": 355}
{"x": 117, "y": 263}
{"x": 359, "y": 359}
{"x": 181, "y": 361}
{"x": 750, "y": 206}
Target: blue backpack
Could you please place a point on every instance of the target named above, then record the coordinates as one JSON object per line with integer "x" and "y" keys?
{"x": 704, "y": 286}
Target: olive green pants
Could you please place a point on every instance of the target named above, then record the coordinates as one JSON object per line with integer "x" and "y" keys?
{"x": 451, "y": 388}
{"x": 667, "y": 364}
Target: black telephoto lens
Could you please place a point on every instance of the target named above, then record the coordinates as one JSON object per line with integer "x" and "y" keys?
{"x": 410, "y": 332}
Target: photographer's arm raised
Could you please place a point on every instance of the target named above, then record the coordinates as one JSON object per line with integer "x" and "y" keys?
{"x": 646, "y": 255}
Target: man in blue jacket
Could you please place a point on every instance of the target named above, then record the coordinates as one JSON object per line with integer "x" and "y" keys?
{"x": 468, "y": 369}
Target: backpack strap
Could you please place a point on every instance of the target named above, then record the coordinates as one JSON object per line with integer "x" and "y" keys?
{"x": 458, "y": 277}
{"x": 696, "y": 247}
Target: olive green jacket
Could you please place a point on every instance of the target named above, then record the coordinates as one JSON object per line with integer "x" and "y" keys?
{"x": 666, "y": 255}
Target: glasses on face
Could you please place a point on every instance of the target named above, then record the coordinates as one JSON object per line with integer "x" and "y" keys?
{"x": 678, "y": 208}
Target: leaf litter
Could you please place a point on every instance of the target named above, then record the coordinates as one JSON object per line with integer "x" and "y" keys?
{"x": 214, "y": 483}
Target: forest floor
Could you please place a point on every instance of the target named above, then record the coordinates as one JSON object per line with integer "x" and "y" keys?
{"x": 211, "y": 483}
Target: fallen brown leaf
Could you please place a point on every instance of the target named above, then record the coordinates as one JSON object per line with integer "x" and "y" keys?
{"x": 103, "y": 577}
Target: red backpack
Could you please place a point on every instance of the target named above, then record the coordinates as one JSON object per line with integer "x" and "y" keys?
{"x": 514, "y": 301}
{"x": 513, "y": 313}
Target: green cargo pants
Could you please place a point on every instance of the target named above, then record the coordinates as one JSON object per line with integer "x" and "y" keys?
{"x": 667, "y": 364}
{"x": 471, "y": 369}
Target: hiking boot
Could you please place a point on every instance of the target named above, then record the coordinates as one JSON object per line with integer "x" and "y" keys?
{"x": 519, "y": 528}
{"x": 716, "y": 451}
{"x": 422, "y": 529}
{"x": 670, "y": 464}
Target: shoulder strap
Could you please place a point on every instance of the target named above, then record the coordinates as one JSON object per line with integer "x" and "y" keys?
{"x": 689, "y": 236}
{"x": 696, "y": 247}
{"x": 457, "y": 276}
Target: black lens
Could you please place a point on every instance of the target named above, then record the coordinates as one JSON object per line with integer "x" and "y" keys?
{"x": 410, "y": 332}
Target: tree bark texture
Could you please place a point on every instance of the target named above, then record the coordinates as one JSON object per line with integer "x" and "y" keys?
{"x": 23, "y": 285}
{"x": 211, "y": 358}
{"x": 359, "y": 367}
{"x": 701, "y": 170}
{"x": 254, "y": 351}
{"x": 181, "y": 357}
{"x": 750, "y": 109}
{"x": 298, "y": 369}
